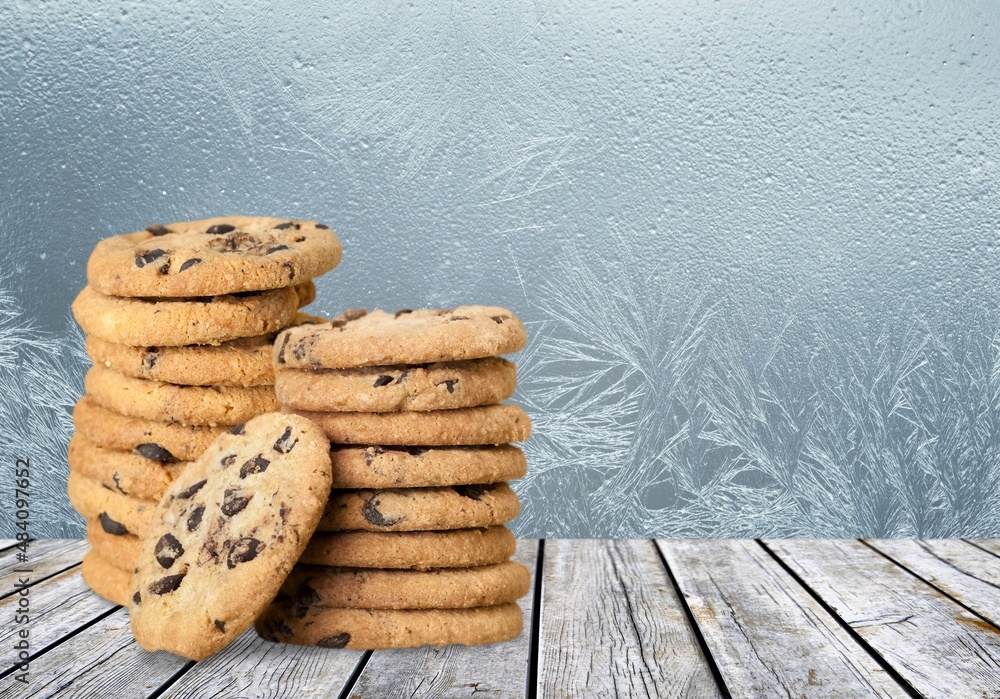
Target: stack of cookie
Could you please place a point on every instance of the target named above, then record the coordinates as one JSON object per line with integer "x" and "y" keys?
{"x": 412, "y": 547}
{"x": 180, "y": 321}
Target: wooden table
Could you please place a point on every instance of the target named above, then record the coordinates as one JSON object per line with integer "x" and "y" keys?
{"x": 678, "y": 618}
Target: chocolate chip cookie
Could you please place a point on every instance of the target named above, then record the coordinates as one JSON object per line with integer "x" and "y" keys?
{"x": 206, "y": 320}
{"x": 420, "y": 509}
{"x": 120, "y": 550}
{"x": 439, "y": 386}
{"x": 126, "y": 472}
{"x": 488, "y": 424}
{"x": 369, "y": 588}
{"x": 375, "y": 629}
{"x": 152, "y": 439}
{"x": 227, "y": 533}
{"x": 167, "y": 402}
{"x": 359, "y": 338}
{"x": 411, "y": 467}
{"x": 119, "y": 512}
{"x": 109, "y": 581}
{"x": 213, "y": 256}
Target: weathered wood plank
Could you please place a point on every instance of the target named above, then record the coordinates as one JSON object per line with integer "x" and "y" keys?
{"x": 250, "y": 665}
{"x": 955, "y": 567}
{"x": 101, "y": 661}
{"x": 6, "y": 544}
{"x": 57, "y": 607}
{"x": 932, "y": 642}
{"x": 499, "y": 670}
{"x": 612, "y": 625}
{"x": 766, "y": 634}
{"x": 45, "y": 557}
{"x": 991, "y": 545}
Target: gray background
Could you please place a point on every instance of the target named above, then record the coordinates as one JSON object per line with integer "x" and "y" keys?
{"x": 754, "y": 245}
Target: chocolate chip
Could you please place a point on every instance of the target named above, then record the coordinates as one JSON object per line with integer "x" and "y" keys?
{"x": 237, "y": 429}
{"x": 233, "y": 501}
{"x": 383, "y": 380}
{"x": 500, "y": 319}
{"x": 449, "y": 384}
{"x": 157, "y": 229}
{"x": 323, "y": 226}
{"x": 257, "y": 464}
{"x": 168, "y": 549}
{"x": 402, "y": 312}
{"x": 291, "y": 270}
{"x": 220, "y": 229}
{"x": 243, "y": 551}
{"x": 283, "y": 628}
{"x": 194, "y": 488}
{"x": 111, "y": 526}
{"x": 154, "y": 452}
{"x": 458, "y": 318}
{"x": 167, "y": 584}
{"x": 473, "y": 492}
{"x": 372, "y": 514}
{"x": 107, "y": 487}
{"x": 339, "y": 641}
{"x": 415, "y": 451}
{"x": 115, "y": 476}
{"x": 194, "y": 519}
{"x": 220, "y": 625}
{"x": 304, "y": 598}
{"x": 165, "y": 267}
{"x": 137, "y": 598}
{"x": 281, "y": 350}
{"x": 228, "y": 460}
{"x": 371, "y": 453}
{"x": 353, "y": 314}
{"x": 147, "y": 257}
{"x": 285, "y": 226}
{"x": 149, "y": 360}
{"x": 276, "y": 248}
{"x": 285, "y": 444}
{"x": 299, "y": 238}
{"x": 402, "y": 377}
{"x": 188, "y": 264}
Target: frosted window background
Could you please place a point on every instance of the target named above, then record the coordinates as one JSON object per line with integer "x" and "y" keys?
{"x": 754, "y": 245}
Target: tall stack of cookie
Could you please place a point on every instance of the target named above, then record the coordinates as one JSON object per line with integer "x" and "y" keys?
{"x": 412, "y": 547}
{"x": 180, "y": 320}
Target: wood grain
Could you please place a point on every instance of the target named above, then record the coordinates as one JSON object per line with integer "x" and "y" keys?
{"x": 250, "y": 664}
{"x": 958, "y": 569}
{"x": 612, "y": 625}
{"x": 45, "y": 557}
{"x": 767, "y": 635}
{"x": 498, "y": 670}
{"x": 932, "y": 642}
{"x": 101, "y": 661}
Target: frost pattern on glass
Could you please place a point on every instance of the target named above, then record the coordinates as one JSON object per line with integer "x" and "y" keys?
{"x": 755, "y": 247}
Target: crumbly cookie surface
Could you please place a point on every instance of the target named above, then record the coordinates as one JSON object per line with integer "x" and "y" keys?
{"x": 413, "y": 467}
{"x": 213, "y": 256}
{"x": 227, "y": 533}
{"x": 358, "y": 338}
{"x": 126, "y": 472}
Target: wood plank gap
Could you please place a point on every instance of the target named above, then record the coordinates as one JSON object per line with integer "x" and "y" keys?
{"x": 345, "y": 693}
{"x": 158, "y": 692}
{"x": 875, "y": 655}
{"x": 41, "y": 580}
{"x": 970, "y": 542}
{"x": 83, "y": 627}
{"x": 924, "y": 580}
{"x": 531, "y": 691}
{"x": 7, "y": 544}
{"x": 713, "y": 667}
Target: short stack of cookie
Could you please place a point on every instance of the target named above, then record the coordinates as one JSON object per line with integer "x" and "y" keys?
{"x": 180, "y": 321}
{"x": 412, "y": 547}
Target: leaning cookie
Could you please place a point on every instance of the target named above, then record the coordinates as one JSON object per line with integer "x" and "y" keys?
{"x": 227, "y": 533}
{"x": 359, "y": 338}
{"x": 213, "y": 256}
{"x": 439, "y": 386}
{"x": 487, "y": 424}
{"x": 375, "y": 629}
{"x": 420, "y": 509}
{"x": 190, "y": 321}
